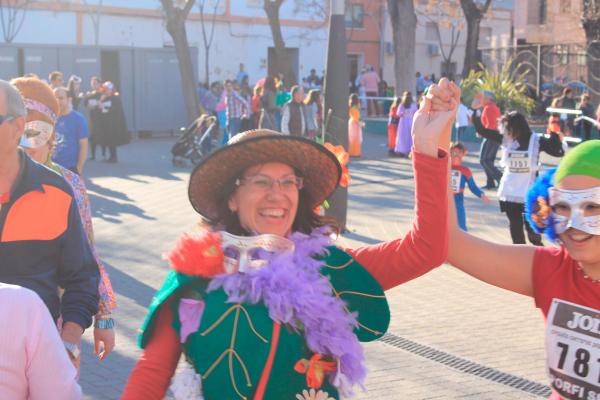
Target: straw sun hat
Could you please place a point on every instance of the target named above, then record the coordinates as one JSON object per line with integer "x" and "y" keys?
{"x": 319, "y": 167}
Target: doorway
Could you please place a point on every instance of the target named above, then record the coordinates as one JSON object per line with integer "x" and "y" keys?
{"x": 355, "y": 63}
{"x": 110, "y": 69}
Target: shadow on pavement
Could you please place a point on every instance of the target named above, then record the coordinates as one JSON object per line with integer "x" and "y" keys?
{"x": 110, "y": 210}
{"x": 133, "y": 162}
{"x": 127, "y": 286}
{"x": 360, "y": 238}
{"x": 104, "y": 191}
{"x": 97, "y": 380}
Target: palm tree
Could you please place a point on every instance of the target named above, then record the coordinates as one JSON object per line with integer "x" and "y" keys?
{"x": 508, "y": 87}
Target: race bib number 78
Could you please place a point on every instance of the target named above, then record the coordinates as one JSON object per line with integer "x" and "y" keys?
{"x": 573, "y": 350}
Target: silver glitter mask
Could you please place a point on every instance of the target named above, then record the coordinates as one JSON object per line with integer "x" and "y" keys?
{"x": 243, "y": 253}
{"x": 569, "y": 209}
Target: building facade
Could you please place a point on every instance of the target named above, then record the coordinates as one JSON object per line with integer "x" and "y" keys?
{"x": 551, "y": 42}
{"x": 366, "y": 22}
{"x": 126, "y": 42}
{"x": 242, "y": 33}
{"x": 369, "y": 35}
{"x": 549, "y": 22}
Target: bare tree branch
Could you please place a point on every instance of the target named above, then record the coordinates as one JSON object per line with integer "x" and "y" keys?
{"x": 454, "y": 41}
{"x": 590, "y": 19}
{"x": 188, "y": 7}
{"x": 167, "y": 5}
{"x": 183, "y": 6}
{"x": 444, "y": 12}
{"x": 207, "y": 39}
{"x": 12, "y": 17}
{"x": 316, "y": 9}
{"x": 439, "y": 36}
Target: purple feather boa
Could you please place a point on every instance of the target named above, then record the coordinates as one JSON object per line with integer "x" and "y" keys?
{"x": 296, "y": 294}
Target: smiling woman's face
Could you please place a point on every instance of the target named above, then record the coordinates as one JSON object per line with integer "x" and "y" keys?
{"x": 582, "y": 246}
{"x": 262, "y": 204}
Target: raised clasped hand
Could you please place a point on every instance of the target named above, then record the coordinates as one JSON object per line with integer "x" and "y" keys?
{"x": 432, "y": 125}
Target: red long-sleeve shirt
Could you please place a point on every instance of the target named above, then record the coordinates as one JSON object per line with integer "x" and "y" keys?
{"x": 391, "y": 263}
{"x": 490, "y": 115}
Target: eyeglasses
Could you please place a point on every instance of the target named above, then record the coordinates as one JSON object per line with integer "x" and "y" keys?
{"x": 265, "y": 183}
{"x": 6, "y": 118}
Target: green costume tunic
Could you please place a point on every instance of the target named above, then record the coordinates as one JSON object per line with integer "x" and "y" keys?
{"x": 241, "y": 353}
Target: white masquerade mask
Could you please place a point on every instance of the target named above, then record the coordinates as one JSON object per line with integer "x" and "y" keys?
{"x": 37, "y": 134}
{"x": 569, "y": 209}
{"x": 243, "y": 253}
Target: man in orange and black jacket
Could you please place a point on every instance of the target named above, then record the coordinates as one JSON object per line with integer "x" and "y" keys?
{"x": 42, "y": 241}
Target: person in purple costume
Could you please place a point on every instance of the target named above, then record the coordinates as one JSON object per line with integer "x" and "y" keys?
{"x": 406, "y": 110}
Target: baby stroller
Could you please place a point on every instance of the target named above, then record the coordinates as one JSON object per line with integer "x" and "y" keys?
{"x": 210, "y": 138}
{"x": 188, "y": 146}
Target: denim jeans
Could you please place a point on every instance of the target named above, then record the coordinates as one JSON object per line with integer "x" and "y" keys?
{"x": 233, "y": 126}
{"x": 487, "y": 157}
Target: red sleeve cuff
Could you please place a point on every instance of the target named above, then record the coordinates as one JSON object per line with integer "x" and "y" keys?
{"x": 425, "y": 162}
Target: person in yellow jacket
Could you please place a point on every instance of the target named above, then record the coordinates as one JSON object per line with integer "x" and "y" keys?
{"x": 354, "y": 127}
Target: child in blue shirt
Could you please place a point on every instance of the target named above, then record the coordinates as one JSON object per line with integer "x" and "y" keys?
{"x": 462, "y": 176}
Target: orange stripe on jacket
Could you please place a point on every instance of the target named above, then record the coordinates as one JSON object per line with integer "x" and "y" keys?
{"x": 264, "y": 379}
{"x": 38, "y": 216}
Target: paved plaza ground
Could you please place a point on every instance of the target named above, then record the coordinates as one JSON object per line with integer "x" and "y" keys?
{"x": 450, "y": 335}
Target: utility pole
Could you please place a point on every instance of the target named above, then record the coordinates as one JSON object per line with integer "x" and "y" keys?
{"x": 337, "y": 76}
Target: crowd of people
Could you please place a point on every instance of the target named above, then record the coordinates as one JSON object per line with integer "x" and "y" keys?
{"x": 298, "y": 110}
{"x": 270, "y": 104}
{"x": 235, "y": 107}
{"x": 262, "y": 281}
{"x": 508, "y": 131}
{"x": 47, "y": 251}
{"x": 90, "y": 120}
{"x": 566, "y": 121}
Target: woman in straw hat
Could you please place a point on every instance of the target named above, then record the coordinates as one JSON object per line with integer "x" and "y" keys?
{"x": 38, "y": 142}
{"x": 262, "y": 303}
{"x": 564, "y": 281}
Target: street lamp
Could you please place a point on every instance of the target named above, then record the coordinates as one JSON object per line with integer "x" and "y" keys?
{"x": 337, "y": 76}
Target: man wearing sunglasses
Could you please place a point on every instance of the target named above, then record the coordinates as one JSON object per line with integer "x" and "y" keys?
{"x": 42, "y": 242}
{"x": 12, "y": 124}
